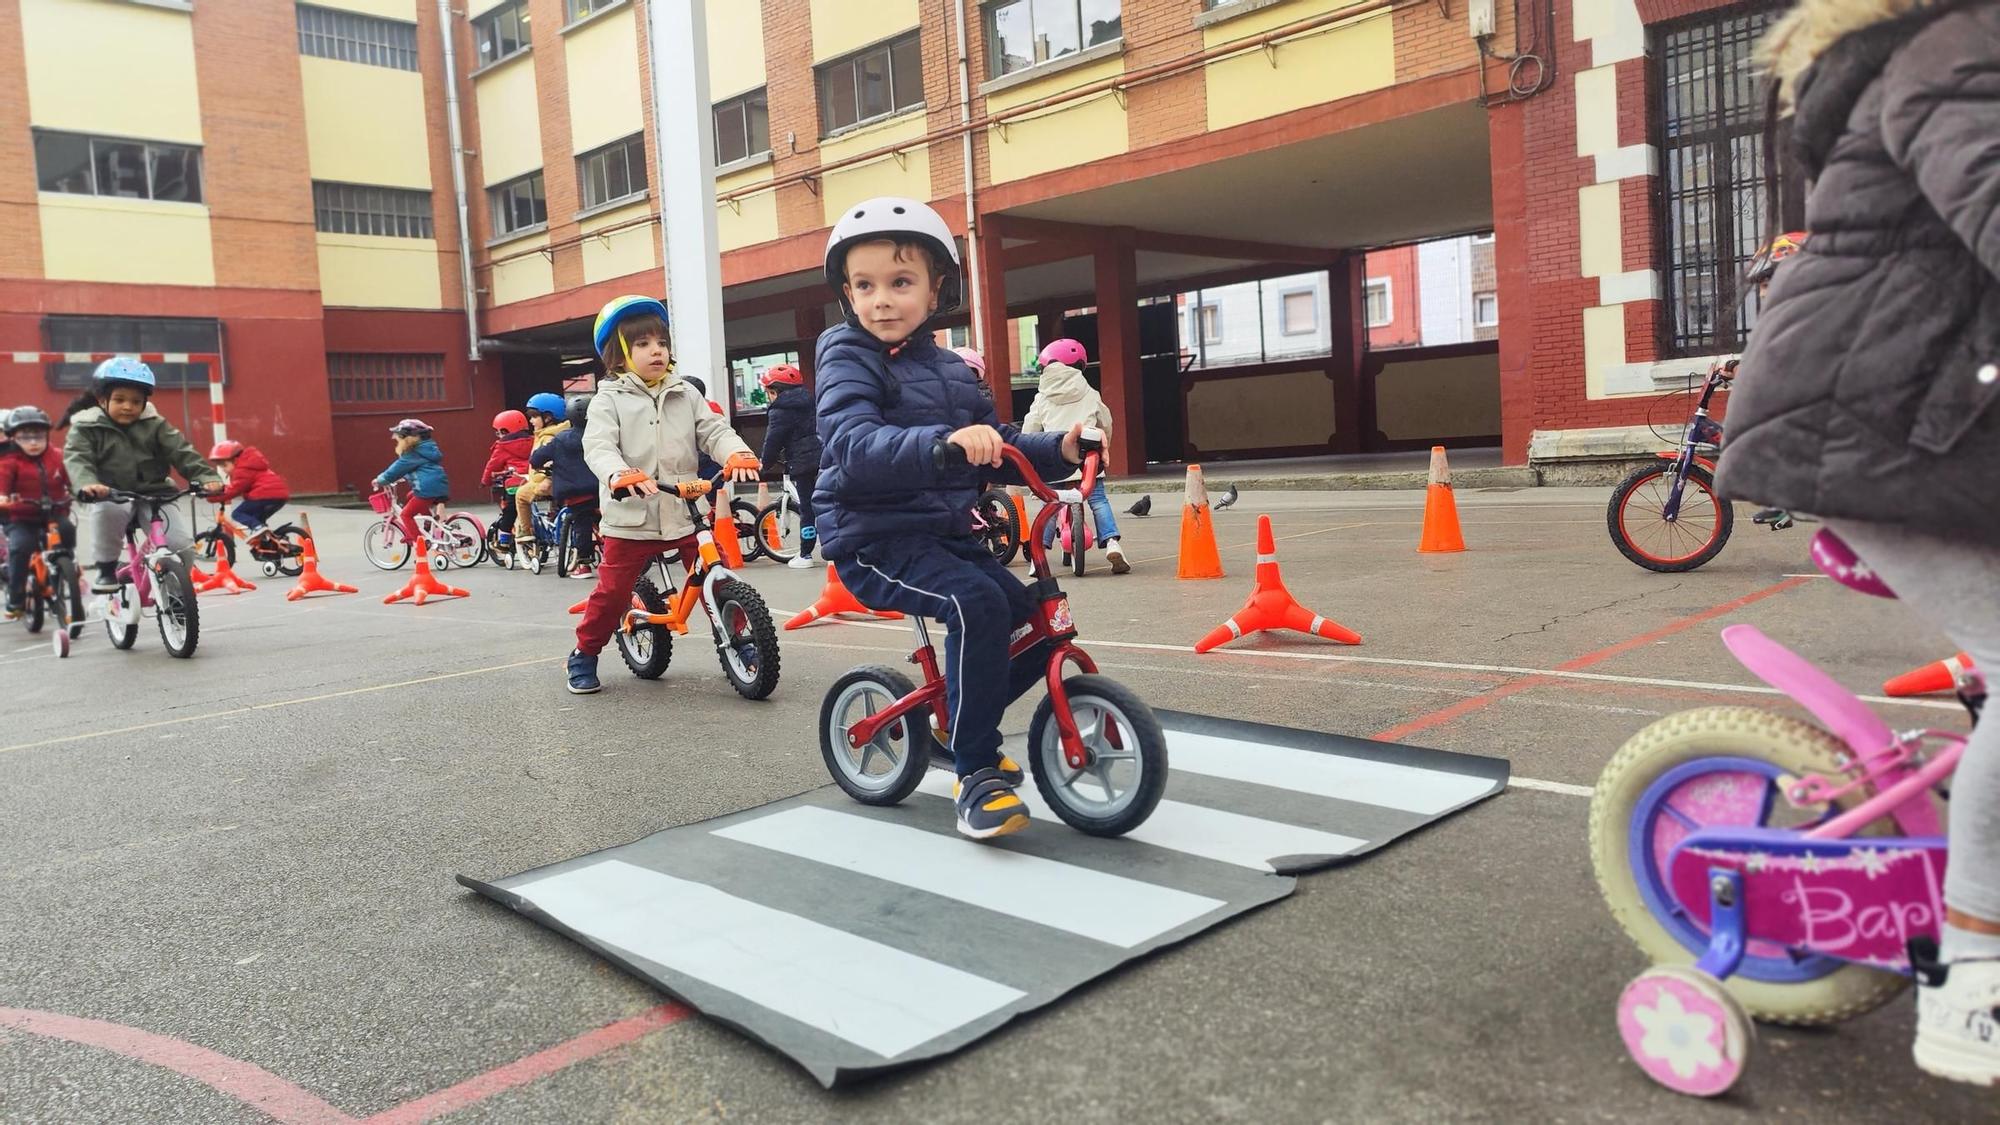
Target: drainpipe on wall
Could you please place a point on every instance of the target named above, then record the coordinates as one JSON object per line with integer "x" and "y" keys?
{"x": 974, "y": 288}
{"x": 458, "y": 181}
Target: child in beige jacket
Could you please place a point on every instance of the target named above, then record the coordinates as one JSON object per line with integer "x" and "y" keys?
{"x": 1064, "y": 400}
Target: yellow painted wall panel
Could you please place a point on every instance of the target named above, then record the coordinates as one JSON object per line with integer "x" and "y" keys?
{"x": 522, "y": 278}
{"x": 1600, "y": 235}
{"x": 479, "y": 8}
{"x": 843, "y": 26}
{"x": 116, "y": 69}
{"x": 631, "y": 250}
{"x": 367, "y": 272}
{"x": 735, "y": 47}
{"x": 1603, "y": 346}
{"x": 404, "y": 11}
{"x": 1088, "y": 130}
{"x": 909, "y": 176}
{"x": 604, "y": 103}
{"x": 750, "y": 220}
{"x": 1321, "y": 67}
{"x": 510, "y": 120}
{"x": 1597, "y": 111}
{"x": 365, "y": 124}
{"x": 128, "y": 241}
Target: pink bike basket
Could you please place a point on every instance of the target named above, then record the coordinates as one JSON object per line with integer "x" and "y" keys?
{"x": 379, "y": 501}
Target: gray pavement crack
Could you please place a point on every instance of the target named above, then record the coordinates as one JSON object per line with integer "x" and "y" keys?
{"x": 1614, "y": 603}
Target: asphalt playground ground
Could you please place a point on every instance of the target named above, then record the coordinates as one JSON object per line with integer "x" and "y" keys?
{"x": 226, "y": 885}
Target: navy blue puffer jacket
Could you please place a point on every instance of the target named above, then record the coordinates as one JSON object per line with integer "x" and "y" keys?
{"x": 879, "y": 416}
{"x": 791, "y": 437}
{"x": 562, "y": 458}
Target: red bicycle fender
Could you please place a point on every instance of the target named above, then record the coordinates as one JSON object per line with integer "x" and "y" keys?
{"x": 1702, "y": 461}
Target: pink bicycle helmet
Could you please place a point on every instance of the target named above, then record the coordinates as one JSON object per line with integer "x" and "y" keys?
{"x": 972, "y": 359}
{"x": 1065, "y": 351}
{"x": 409, "y": 426}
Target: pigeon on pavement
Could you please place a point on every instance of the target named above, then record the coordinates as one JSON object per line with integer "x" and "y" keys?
{"x": 1143, "y": 508}
{"x": 1226, "y": 501}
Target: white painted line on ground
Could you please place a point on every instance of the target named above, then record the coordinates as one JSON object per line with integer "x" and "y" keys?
{"x": 1227, "y": 837}
{"x": 1563, "y": 787}
{"x": 872, "y": 995}
{"x": 1107, "y": 908}
{"x": 1384, "y": 784}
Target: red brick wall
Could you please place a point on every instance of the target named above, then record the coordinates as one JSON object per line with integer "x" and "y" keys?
{"x": 558, "y": 164}
{"x": 1158, "y": 31}
{"x": 20, "y": 222}
{"x": 253, "y": 124}
{"x": 464, "y": 429}
{"x": 794, "y": 102}
{"x": 1429, "y": 41}
{"x": 1405, "y": 328}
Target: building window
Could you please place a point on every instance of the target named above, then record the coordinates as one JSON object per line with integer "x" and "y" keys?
{"x": 502, "y": 32}
{"x": 578, "y": 9}
{"x": 80, "y": 165}
{"x": 1208, "y": 323}
{"x": 361, "y": 209}
{"x": 874, "y": 83}
{"x": 1022, "y": 33}
{"x": 1380, "y": 305}
{"x": 743, "y": 377}
{"x": 742, "y": 127}
{"x": 384, "y": 378}
{"x": 1485, "y": 310}
{"x": 131, "y": 335}
{"x": 616, "y": 171}
{"x": 1298, "y": 313}
{"x": 518, "y": 204}
{"x": 1713, "y": 174}
{"x": 350, "y": 37}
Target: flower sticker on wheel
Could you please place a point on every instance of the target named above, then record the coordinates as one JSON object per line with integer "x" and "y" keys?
{"x": 1685, "y": 1041}
{"x": 1684, "y": 1030}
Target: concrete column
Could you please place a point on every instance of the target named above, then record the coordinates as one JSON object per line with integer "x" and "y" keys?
{"x": 684, "y": 175}
{"x": 991, "y": 332}
{"x": 1347, "y": 317}
{"x": 1117, "y": 265}
{"x": 809, "y": 323}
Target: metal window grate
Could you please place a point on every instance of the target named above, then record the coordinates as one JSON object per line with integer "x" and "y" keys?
{"x": 131, "y": 335}
{"x": 384, "y": 378}
{"x": 1713, "y": 174}
{"x": 351, "y": 37}
{"x": 362, "y": 209}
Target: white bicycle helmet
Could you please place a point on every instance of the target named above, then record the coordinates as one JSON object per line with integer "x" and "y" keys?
{"x": 893, "y": 217}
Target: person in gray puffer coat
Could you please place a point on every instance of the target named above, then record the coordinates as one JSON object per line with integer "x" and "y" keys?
{"x": 1872, "y": 391}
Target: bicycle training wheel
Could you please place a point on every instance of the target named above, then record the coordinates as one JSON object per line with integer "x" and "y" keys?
{"x": 1125, "y": 767}
{"x": 889, "y": 767}
{"x": 1636, "y": 518}
{"x": 384, "y": 546}
{"x": 177, "y": 613}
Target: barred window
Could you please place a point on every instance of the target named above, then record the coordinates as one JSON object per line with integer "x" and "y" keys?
{"x": 82, "y": 165}
{"x": 1713, "y": 178}
{"x": 616, "y": 171}
{"x": 502, "y": 32}
{"x": 517, "y": 204}
{"x": 384, "y": 378}
{"x": 131, "y": 335}
{"x": 742, "y": 127}
{"x": 351, "y": 37}
{"x": 877, "y": 82}
{"x": 362, "y": 209}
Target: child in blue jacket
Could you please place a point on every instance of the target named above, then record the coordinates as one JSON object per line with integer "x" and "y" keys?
{"x": 897, "y": 528}
{"x": 417, "y": 457}
{"x": 572, "y": 483}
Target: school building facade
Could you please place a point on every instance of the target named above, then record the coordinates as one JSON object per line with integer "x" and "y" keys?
{"x": 1282, "y": 227}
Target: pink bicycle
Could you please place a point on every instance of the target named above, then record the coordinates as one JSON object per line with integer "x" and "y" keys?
{"x": 1773, "y": 869}
{"x": 152, "y": 578}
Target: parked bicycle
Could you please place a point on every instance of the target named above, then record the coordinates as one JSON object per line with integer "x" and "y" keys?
{"x": 455, "y": 539}
{"x": 151, "y": 579}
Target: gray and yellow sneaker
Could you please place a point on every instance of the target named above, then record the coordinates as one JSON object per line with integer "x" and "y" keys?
{"x": 988, "y": 806}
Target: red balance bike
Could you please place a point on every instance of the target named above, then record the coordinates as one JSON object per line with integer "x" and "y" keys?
{"x": 1096, "y": 750}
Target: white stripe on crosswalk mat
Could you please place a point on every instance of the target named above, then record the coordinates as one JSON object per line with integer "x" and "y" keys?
{"x": 872, "y": 995}
{"x": 1108, "y": 908}
{"x": 1244, "y": 841}
{"x": 1389, "y": 785}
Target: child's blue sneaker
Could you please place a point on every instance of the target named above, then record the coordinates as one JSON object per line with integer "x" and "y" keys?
{"x": 583, "y": 673}
{"x": 988, "y": 806}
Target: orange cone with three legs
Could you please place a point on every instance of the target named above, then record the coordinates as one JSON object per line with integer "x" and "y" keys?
{"x": 1271, "y": 606}
{"x": 311, "y": 581}
{"x": 837, "y": 599}
{"x": 225, "y": 578}
{"x": 424, "y": 586}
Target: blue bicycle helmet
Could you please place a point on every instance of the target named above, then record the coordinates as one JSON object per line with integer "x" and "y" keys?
{"x": 547, "y": 403}
{"x": 617, "y": 309}
{"x": 122, "y": 371}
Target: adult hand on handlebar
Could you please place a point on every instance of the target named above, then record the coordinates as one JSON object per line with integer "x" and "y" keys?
{"x": 982, "y": 444}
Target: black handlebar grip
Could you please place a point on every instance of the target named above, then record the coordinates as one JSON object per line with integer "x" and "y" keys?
{"x": 945, "y": 455}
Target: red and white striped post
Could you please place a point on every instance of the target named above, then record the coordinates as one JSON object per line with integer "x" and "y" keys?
{"x": 212, "y": 359}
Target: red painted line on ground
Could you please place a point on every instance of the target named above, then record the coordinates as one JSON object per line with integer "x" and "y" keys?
{"x": 533, "y": 1068}
{"x": 250, "y": 1084}
{"x": 1515, "y": 687}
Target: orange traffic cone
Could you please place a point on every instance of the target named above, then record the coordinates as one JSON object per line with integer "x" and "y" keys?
{"x": 578, "y": 607}
{"x": 1271, "y": 606}
{"x": 723, "y": 527}
{"x": 225, "y": 579}
{"x": 424, "y": 585}
{"x": 1199, "y": 557}
{"x": 199, "y": 577}
{"x": 311, "y": 581}
{"x": 836, "y": 599}
{"x": 1941, "y": 675}
{"x": 1440, "y": 509}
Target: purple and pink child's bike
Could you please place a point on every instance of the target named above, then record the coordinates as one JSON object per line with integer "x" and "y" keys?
{"x": 1773, "y": 869}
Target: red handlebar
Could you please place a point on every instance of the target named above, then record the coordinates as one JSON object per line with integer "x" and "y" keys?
{"x": 946, "y": 455}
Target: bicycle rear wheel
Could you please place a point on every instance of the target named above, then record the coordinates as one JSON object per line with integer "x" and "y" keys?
{"x": 1002, "y": 534}
{"x": 465, "y": 540}
{"x": 291, "y": 541}
{"x": 749, "y": 520}
{"x": 1079, "y": 541}
{"x": 179, "y": 616}
{"x": 214, "y": 543}
{"x": 778, "y": 531}
{"x": 1637, "y": 519}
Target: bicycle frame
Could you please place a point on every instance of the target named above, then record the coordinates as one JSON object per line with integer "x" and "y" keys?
{"x": 707, "y": 570}
{"x": 1053, "y": 624}
{"x": 430, "y": 527}
{"x": 52, "y": 548}
{"x": 1702, "y": 430}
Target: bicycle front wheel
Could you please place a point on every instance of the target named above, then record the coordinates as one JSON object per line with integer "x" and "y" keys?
{"x": 179, "y": 615}
{"x": 384, "y": 545}
{"x": 67, "y": 604}
{"x": 464, "y": 541}
{"x": 1637, "y": 519}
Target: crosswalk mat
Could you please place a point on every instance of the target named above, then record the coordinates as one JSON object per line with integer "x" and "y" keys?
{"x": 855, "y": 940}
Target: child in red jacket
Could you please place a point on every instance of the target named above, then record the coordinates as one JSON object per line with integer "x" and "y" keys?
{"x": 506, "y": 467}
{"x": 30, "y": 471}
{"x": 250, "y": 477}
